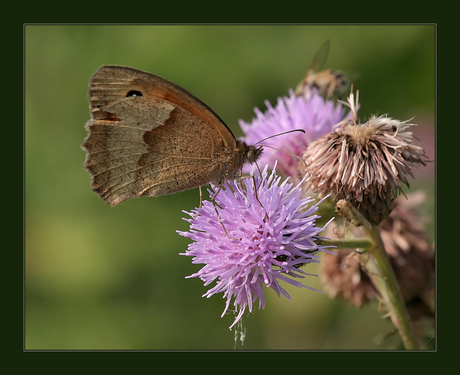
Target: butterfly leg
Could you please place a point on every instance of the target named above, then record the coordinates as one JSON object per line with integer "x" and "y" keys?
{"x": 201, "y": 196}
{"x": 218, "y": 215}
{"x": 257, "y": 198}
{"x": 255, "y": 191}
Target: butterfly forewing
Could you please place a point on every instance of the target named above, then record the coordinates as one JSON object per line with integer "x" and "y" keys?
{"x": 148, "y": 136}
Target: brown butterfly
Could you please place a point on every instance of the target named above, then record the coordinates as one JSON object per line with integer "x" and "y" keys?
{"x": 148, "y": 136}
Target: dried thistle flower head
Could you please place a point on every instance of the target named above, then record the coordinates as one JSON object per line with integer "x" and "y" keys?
{"x": 344, "y": 279}
{"x": 366, "y": 164}
{"x": 410, "y": 253}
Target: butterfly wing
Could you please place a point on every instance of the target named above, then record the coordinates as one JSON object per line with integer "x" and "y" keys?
{"x": 148, "y": 136}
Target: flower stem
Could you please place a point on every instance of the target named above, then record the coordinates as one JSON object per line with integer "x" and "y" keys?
{"x": 348, "y": 244}
{"x": 379, "y": 269}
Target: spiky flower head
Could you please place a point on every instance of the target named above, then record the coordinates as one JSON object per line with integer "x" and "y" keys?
{"x": 256, "y": 233}
{"x": 309, "y": 112}
{"x": 366, "y": 164}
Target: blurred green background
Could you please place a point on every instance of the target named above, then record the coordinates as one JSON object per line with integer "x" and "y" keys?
{"x": 111, "y": 278}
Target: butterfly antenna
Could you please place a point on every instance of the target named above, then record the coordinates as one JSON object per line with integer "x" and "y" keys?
{"x": 276, "y": 135}
{"x": 288, "y": 153}
{"x": 277, "y": 149}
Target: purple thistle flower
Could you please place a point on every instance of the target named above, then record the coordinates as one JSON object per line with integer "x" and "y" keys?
{"x": 310, "y": 112}
{"x": 269, "y": 233}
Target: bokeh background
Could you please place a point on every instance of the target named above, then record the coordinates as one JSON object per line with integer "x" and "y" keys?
{"x": 111, "y": 278}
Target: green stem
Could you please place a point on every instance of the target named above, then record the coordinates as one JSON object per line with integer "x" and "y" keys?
{"x": 379, "y": 269}
{"x": 348, "y": 244}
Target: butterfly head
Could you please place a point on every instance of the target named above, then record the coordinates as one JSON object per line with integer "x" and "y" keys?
{"x": 252, "y": 153}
